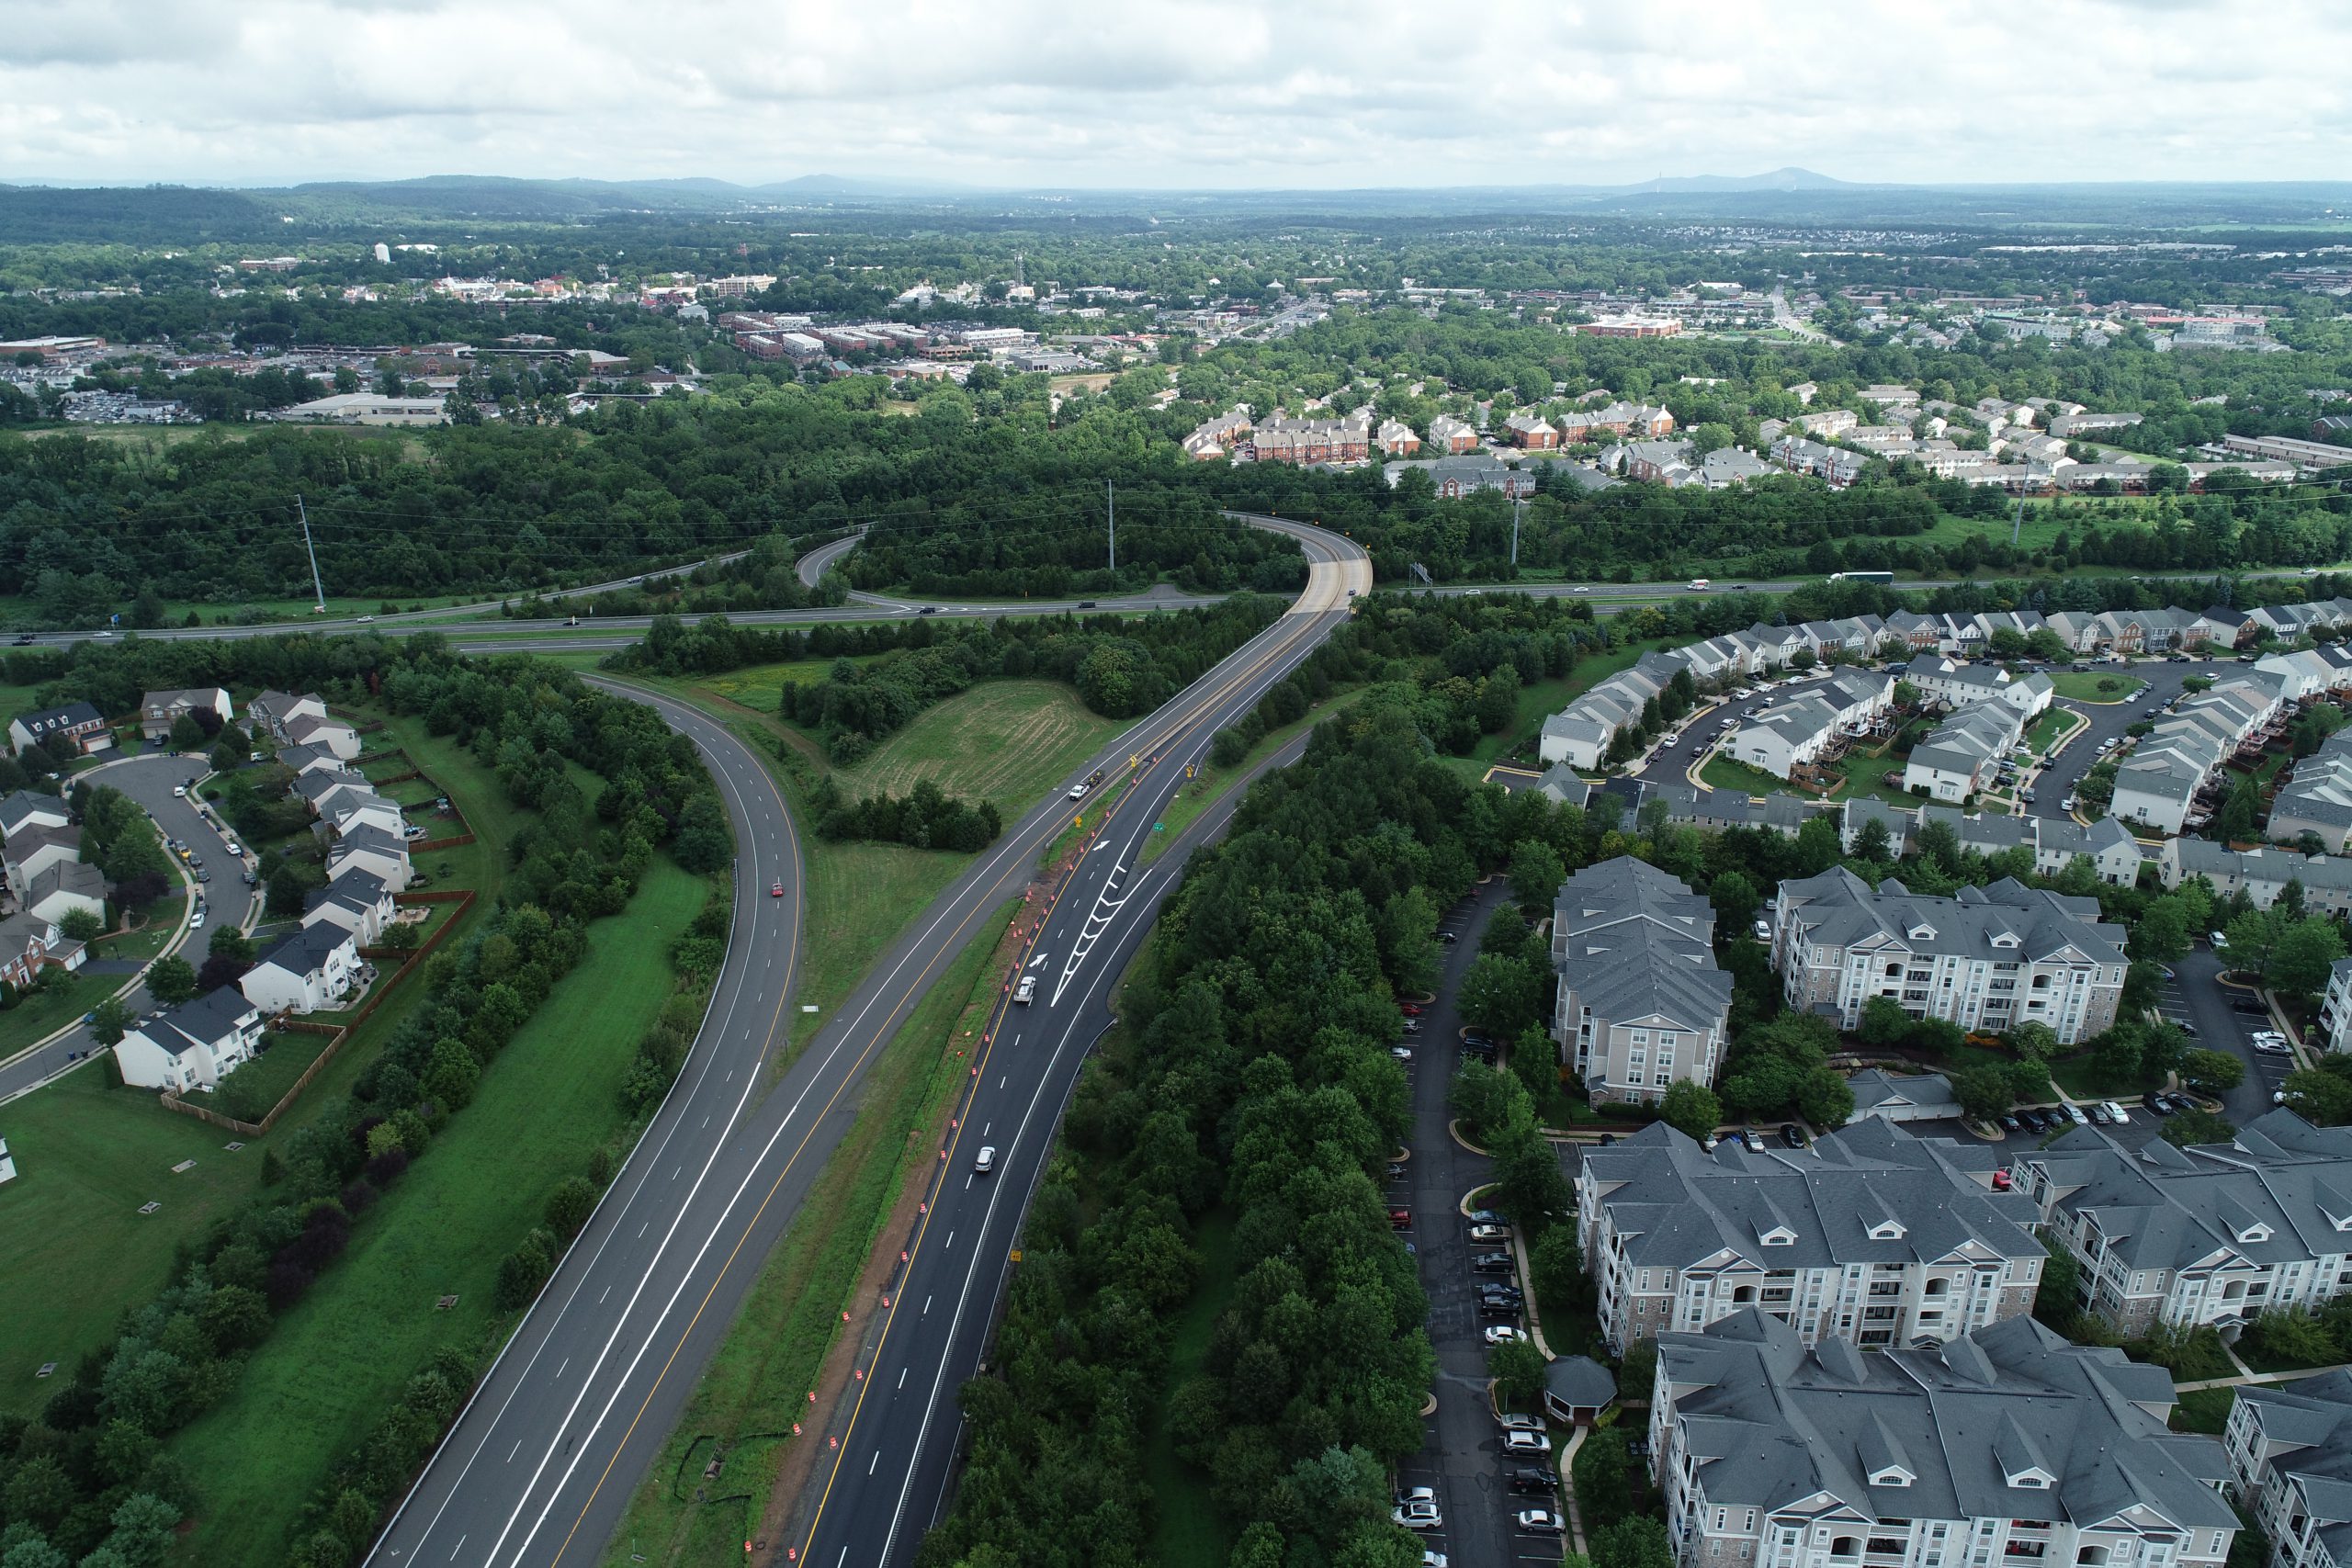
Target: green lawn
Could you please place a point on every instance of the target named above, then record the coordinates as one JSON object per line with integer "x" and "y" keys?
{"x": 340, "y": 1356}
{"x": 756, "y": 1383}
{"x": 1724, "y": 772}
{"x": 1188, "y": 1530}
{"x": 87, "y": 1156}
{"x": 2048, "y": 729}
{"x": 2096, "y": 686}
{"x": 2204, "y": 1410}
{"x": 761, "y": 685}
{"x": 249, "y": 1092}
{"x": 41, "y": 1013}
{"x": 1009, "y": 742}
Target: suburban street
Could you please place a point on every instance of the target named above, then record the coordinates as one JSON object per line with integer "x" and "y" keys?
{"x": 147, "y": 780}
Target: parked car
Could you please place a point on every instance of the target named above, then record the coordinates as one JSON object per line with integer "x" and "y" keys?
{"x": 1527, "y": 1443}
{"x": 1519, "y": 1421}
{"x": 1417, "y": 1515}
{"x": 1793, "y": 1136}
{"x": 1763, "y": 930}
{"x": 2116, "y": 1113}
{"x": 2011, "y": 1124}
{"x": 1505, "y": 1334}
{"x": 2100, "y": 1116}
{"x": 1490, "y": 1263}
{"x": 1402, "y": 1053}
{"x": 1540, "y": 1521}
{"x": 2074, "y": 1114}
{"x": 1490, "y": 1234}
{"x": 1533, "y": 1478}
{"x": 1400, "y": 1219}
{"x": 1497, "y": 1306}
{"x": 1489, "y": 1217}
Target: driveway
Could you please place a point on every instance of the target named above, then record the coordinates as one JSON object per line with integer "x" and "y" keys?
{"x": 1462, "y": 1457}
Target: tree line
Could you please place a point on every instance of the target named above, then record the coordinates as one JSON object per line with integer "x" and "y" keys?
{"x": 100, "y": 1441}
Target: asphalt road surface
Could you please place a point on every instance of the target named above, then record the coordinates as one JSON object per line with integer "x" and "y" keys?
{"x": 541, "y": 1463}
{"x": 147, "y": 780}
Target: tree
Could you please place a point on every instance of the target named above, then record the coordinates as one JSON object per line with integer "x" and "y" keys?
{"x": 1983, "y": 1091}
{"x": 1690, "y": 1108}
{"x": 1557, "y": 1266}
{"x": 2197, "y": 1125}
{"x": 1635, "y": 1542}
{"x": 2319, "y": 1097}
{"x": 2034, "y": 1041}
{"x": 1536, "y": 873}
{"x": 111, "y": 1020}
{"x": 1518, "y": 1370}
{"x": 2163, "y": 932}
{"x": 2301, "y": 958}
{"x": 229, "y": 942}
{"x": 2211, "y": 1072}
{"x": 1883, "y": 1022}
{"x": 1602, "y": 1471}
{"x": 570, "y": 1205}
{"x": 82, "y": 925}
{"x": 171, "y": 980}
{"x": 1735, "y": 898}
{"x": 1825, "y": 1099}
{"x": 1500, "y": 995}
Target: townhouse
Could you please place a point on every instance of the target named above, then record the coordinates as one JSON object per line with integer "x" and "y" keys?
{"x": 1837, "y": 464}
{"x": 1957, "y": 685}
{"x": 2316, "y": 797}
{"x": 2290, "y": 1448}
{"x": 2262, "y": 875}
{"x": 1530, "y": 432}
{"x": 1873, "y": 1236}
{"x": 1453, "y": 478}
{"x": 1310, "y": 441}
{"x": 371, "y": 850}
{"x": 78, "y": 727}
{"x": 1963, "y": 753}
{"x": 1787, "y": 735}
{"x": 1619, "y": 420}
{"x": 2158, "y": 783}
{"x": 2005, "y": 1446}
{"x": 2114, "y": 854}
{"x": 2209, "y": 1236}
{"x": 1640, "y": 1003}
{"x": 308, "y": 969}
{"x": 2308, "y": 673}
{"x": 1397, "y": 439}
{"x": 62, "y": 889}
{"x": 1987, "y": 958}
{"x": 357, "y": 902}
{"x": 34, "y": 849}
{"x": 193, "y": 1045}
{"x": 158, "y": 711}
{"x": 1452, "y": 437}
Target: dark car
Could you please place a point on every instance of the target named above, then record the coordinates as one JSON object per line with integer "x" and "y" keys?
{"x": 1533, "y": 1478}
{"x": 1490, "y": 1263}
{"x": 1086, "y": 603}
{"x": 1497, "y": 1307}
{"x": 1505, "y": 1302}
{"x": 1489, "y": 1217}
{"x": 2011, "y": 1124}
{"x": 24, "y": 639}
{"x": 2156, "y": 1103}
{"x": 928, "y": 610}
{"x": 1793, "y": 1136}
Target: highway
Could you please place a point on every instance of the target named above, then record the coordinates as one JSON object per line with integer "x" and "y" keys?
{"x": 876, "y": 1495}
{"x": 540, "y": 1465}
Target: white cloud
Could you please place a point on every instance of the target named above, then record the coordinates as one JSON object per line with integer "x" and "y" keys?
{"x": 1203, "y": 93}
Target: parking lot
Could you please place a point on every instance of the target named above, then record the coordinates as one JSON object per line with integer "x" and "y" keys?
{"x": 1462, "y": 1462}
{"x": 2197, "y": 998}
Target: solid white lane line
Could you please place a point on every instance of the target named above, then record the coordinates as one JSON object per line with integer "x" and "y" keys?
{"x": 512, "y": 1451}
{"x": 561, "y": 1371}
{"x": 902, "y": 1380}
{"x": 877, "y": 1460}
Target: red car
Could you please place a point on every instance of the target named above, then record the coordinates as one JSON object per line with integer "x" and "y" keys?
{"x": 777, "y": 891}
{"x": 2000, "y": 1182}
{"x": 1411, "y": 1010}
{"x": 1400, "y": 1219}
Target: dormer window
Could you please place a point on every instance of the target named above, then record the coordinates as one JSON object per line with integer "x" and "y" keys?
{"x": 1779, "y": 1235}
{"x": 1921, "y": 933}
{"x": 2031, "y": 1480}
{"x": 2255, "y": 1233}
{"x": 2005, "y": 940}
{"x": 1893, "y": 1475}
{"x": 1887, "y": 1230}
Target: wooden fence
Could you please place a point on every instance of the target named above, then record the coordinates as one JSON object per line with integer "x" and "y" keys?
{"x": 463, "y": 898}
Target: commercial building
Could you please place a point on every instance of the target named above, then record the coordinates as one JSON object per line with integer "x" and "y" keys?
{"x": 2209, "y": 1236}
{"x": 1873, "y": 1236}
{"x": 2006, "y": 1446}
{"x": 1987, "y": 958}
{"x": 362, "y": 407}
{"x": 1640, "y": 1003}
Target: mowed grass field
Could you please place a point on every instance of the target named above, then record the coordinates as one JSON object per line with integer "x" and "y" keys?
{"x": 77, "y": 1248}
{"x": 336, "y": 1361}
{"x": 1009, "y": 742}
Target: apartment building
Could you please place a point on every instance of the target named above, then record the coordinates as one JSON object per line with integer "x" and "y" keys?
{"x": 2262, "y": 875}
{"x": 1640, "y": 1003}
{"x": 1530, "y": 431}
{"x": 1836, "y": 465}
{"x": 1872, "y": 1235}
{"x": 2213, "y": 1235}
{"x": 2289, "y": 1448}
{"x": 1452, "y": 437}
{"x": 2336, "y": 1008}
{"x": 2007, "y": 1446}
{"x": 1310, "y": 441}
{"x": 1987, "y": 958}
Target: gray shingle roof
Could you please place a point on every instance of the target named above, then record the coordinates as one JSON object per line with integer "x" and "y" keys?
{"x": 1771, "y": 1423}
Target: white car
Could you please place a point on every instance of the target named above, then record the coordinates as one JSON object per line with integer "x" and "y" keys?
{"x": 1437, "y": 1559}
{"x": 1490, "y": 1233}
{"x": 1402, "y": 1053}
{"x": 2117, "y": 1112}
{"x": 986, "y": 1162}
{"x": 1526, "y": 1443}
{"x": 179, "y": 791}
{"x": 1418, "y": 1517}
{"x": 195, "y": 921}
{"x": 1540, "y": 1521}
{"x": 1077, "y": 792}
{"x": 1027, "y": 990}
{"x": 1504, "y": 1333}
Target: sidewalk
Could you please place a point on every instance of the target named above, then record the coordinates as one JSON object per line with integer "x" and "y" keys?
{"x": 2253, "y": 1377}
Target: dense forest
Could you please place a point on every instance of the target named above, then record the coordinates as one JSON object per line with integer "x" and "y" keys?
{"x": 92, "y": 1473}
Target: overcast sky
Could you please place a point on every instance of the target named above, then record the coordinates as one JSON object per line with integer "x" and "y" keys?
{"x": 1193, "y": 93}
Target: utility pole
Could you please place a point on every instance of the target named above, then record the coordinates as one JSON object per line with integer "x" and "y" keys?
{"x": 1110, "y": 503}
{"x": 2016, "y": 528}
{"x": 1516, "y": 508}
{"x": 317, "y": 588}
